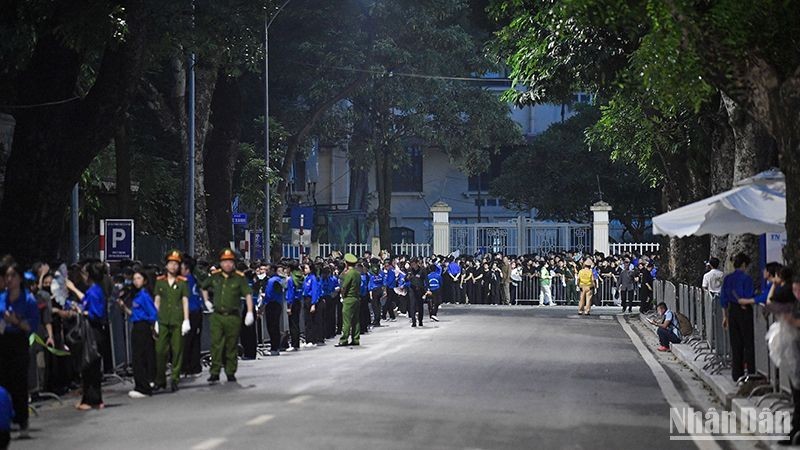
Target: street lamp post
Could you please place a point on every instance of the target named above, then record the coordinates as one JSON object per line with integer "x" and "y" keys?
{"x": 267, "y": 232}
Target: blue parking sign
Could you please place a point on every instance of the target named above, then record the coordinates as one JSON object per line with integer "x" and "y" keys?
{"x": 240, "y": 218}
{"x": 117, "y": 240}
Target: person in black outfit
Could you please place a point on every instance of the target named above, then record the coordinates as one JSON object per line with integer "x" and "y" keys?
{"x": 416, "y": 294}
{"x": 645, "y": 280}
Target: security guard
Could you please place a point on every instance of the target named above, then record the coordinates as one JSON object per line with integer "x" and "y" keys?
{"x": 350, "y": 292}
{"x": 229, "y": 286}
{"x": 172, "y": 302}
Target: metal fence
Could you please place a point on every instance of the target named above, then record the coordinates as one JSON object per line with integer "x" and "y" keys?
{"x": 711, "y": 341}
{"x": 412, "y": 250}
{"x": 529, "y": 290}
{"x": 638, "y": 248}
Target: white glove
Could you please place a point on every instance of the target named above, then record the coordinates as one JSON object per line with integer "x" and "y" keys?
{"x": 248, "y": 319}
{"x": 185, "y": 328}
{"x": 209, "y": 306}
{"x": 155, "y": 327}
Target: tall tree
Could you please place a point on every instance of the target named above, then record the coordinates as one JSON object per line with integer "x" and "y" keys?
{"x": 568, "y": 172}
{"x": 73, "y": 69}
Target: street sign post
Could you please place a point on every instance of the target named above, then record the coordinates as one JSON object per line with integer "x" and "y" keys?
{"x": 117, "y": 239}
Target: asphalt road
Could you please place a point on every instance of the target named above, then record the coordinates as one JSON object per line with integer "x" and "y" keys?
{"x": 484, "y": 377}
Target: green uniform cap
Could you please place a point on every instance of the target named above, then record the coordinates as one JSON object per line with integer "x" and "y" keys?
{"x": 350, "y": 258}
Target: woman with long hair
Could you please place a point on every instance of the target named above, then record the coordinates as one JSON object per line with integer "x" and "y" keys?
{"x": 143, "y": 315}
{"x": 19, "y": 317}
{"x": 93, "y": 307}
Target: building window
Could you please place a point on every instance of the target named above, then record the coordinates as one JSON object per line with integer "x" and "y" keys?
{"x": 402, "y": 235}
{"x": 483, "y": 181}
{"x": 298, "y": 176}
{"x": 408, "y": 177}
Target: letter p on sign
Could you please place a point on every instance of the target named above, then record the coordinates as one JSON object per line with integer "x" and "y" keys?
{"x": 117, "y": 236}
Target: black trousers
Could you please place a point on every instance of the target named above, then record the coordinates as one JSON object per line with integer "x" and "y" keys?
{"x": 248, "y": 338}
{"x": 312, "y": 321}
{"x": 740, "y": 327}
{"x": 339, "y": 306}
{"x": 364, "y": 313}
{"x": 455, "y": 292}
{"x": 388, "y": 307}
{"x": 645, "y": 299}
{"x": 14, "y": 360}
{"x": 416, "y": 306}
{"x": 144, "y": 357}
{"x": 92, "y": 374}
{"x": 627, "y": 298}
{"x": 436, "y": 300}
{"x": 294, "y": 322}
{"x": 402, "y": 303}
{"x": 272, "y": 312}
{"x": 191, "y": 344}
{"x": 375, "y": 303}
{"x": 447, "y": 287}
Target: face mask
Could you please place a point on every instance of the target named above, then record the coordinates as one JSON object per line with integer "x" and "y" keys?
{"x": 261, "y": 276}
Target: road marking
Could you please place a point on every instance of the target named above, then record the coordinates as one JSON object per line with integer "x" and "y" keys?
{"x": 208, "y": 444}
{"x": 260, "y": 420}
{"x": 299, "y": 399}
{"x": 668, "y": 388}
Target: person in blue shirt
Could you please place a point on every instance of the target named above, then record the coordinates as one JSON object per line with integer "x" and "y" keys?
{"x": 93, "y": 307}
{"x": 389, "y": 283}
{"x": 329, "y": 284}
{"x": 311, "y": 293}
{"x": 376, "y": 292}
{"x": 143, "y": 315}
{"x": 191, "y": 341}
{"x": 434, "y": 286}
{"x": 737, "y": 298}
{"x": 294, "y": 303}
{"x": 364, "y": 296}
{"x": 19, "y": 317}
{"x": 6, "y": 414}
{"x": 274, "y": 295}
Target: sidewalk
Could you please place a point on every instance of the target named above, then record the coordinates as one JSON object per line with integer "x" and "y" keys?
{"x": 721, "y": 385}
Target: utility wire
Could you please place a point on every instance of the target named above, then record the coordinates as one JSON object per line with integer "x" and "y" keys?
{"x": 39, "y": 105}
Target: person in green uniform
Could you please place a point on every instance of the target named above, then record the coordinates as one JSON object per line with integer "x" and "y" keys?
{"x": 228, "y": 286}
{"x": 172, "y": 302}
{"x": 350, "y": 292}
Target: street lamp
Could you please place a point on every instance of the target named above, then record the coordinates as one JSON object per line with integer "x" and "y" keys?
{"x": 267, "y": 232}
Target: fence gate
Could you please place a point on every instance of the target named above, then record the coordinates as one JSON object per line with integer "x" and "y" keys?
{"x": 520, "y": 236}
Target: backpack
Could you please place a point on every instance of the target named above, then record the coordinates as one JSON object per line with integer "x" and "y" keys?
{"x": 684, "y": 324}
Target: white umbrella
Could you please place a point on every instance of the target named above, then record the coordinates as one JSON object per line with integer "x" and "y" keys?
{"x": 755, "y": 205}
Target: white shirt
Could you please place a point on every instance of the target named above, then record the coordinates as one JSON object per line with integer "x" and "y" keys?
{"x": 712, "y": 280}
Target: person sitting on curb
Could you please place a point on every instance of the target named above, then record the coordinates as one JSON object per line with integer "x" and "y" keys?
{"x": 668, "y": 331}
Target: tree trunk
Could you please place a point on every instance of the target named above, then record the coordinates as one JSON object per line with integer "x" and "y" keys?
{"x": 122, "y": 153}
{"x": 754, "y": 152}
{"x": 383, "y": 181}
{"x": 205, "y": 84}
{"x": 207, "y": 75}
{"x": 723, "y": 155}
{"x": 53, "y": 146}
{"x": 222, "y": 150}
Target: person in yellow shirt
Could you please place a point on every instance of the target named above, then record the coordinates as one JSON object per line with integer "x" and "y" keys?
{"x": 586, "y": 282}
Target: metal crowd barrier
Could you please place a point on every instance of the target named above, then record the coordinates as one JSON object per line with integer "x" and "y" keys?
{"x": 528, "y": 290}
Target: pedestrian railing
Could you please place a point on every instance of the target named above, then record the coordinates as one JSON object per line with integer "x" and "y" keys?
{"x": 528, "y": 290}
{"x": 711, "y": 341}
{"x": 638, "y": 248}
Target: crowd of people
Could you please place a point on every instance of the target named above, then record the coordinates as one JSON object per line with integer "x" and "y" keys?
{"x": 302, "y": 303}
